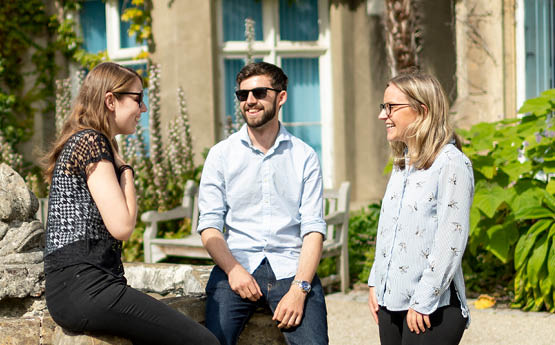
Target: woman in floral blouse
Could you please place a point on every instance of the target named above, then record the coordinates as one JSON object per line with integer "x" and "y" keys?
{"x": 91, "y": 210}
{"x": 417, "y": 293}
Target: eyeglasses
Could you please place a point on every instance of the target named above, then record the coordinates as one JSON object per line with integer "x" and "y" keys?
{"x": 257, "y": 92}
{"x": 387, "y": 107}
{"x": 139, "y": 100}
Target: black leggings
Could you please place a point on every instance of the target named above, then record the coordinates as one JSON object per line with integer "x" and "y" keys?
{"x": 448, "y": 326}
{"x": 85, "y": 298}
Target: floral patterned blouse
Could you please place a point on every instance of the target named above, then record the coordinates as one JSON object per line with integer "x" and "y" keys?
{"x": 75, "y": 231}
{"x": 422, "y": 234}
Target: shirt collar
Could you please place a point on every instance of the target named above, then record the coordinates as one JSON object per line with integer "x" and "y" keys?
{"x": 283, "y": 135}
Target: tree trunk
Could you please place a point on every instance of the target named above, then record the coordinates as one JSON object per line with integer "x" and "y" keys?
{"x": 402, "y": 35}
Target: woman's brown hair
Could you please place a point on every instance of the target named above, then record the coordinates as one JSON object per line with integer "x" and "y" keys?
{"x": 432, "y": 129}
{"x": 89, "y": 110}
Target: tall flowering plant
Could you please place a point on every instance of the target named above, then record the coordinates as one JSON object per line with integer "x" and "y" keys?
{"x": 159, "y": 164}
{"x": 161, "y": 171}
{"x": 232, "y": 125}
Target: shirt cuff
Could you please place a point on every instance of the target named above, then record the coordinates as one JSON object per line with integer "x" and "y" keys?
{"x": 210, "y": 222}
{"x": 313, "y": 226}
{"x": 372, "y": 277}
{"x": 426, "y": 299}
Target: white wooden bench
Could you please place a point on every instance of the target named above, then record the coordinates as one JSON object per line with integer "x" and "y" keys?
{"x": 336, "y": 244}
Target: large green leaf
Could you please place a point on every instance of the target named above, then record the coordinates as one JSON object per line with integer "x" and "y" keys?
{"x": 527, "y": 241}
{"x": 538, "y": 106}
{"x": 475, "y": 217}
{"x": 534, "y": 213}
{"x": 546, "y": 288}
{"x": 549, "y": 200}
{"x": 488, "y": 201}
{"x": 485, "y": 165}
{"x": 537, "y": 259}
{"x": 550, "y": 188}
{"x": 500, "y": 240}
{"x": 528, "y": 193}
{"x": 515, "y": 169}
{"x": 551, "y": 256}
{"x": 550, "y": 93}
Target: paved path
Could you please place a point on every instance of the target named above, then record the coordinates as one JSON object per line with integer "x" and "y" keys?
{"x": 350, "y": 323}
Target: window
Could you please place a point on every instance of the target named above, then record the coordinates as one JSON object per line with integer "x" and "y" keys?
{"x": 103, "y": 29}
{"x": 294, "y": 36}
{"x": 536, "y": 45}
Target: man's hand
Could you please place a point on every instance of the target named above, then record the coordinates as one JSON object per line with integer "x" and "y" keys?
{"x": 417, "y": 322}
{"x": 289, "y": 311}
{"x": 373, "y": 303}
{"x": 243, "y": 283}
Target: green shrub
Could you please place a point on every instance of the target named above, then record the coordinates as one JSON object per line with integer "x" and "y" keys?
{"x": 512, "y": 218}
{"x": 363, "y": 227}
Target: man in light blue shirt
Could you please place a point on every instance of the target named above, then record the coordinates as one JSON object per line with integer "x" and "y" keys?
{"x": 261, "y": 219}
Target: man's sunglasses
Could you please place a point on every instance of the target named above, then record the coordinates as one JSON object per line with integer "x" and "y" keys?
{"x": 257, "y": 92}
{"x": 138, "y": 100}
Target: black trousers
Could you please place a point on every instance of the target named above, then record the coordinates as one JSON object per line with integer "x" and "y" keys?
{"x": 448, "y": 326}
{"x": 85, "y": 298}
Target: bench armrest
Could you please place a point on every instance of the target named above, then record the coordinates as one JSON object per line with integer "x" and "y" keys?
{"x": 175, "y": 213}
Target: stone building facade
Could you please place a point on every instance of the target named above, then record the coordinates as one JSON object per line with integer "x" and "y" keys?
{"x": 487, "y": 54}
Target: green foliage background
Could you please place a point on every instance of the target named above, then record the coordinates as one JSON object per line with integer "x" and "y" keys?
{"x": 513, "y": 215}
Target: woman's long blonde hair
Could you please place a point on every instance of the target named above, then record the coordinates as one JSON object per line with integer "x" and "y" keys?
{"x": 89, "y": 110}
{"x": 432, "y": 129}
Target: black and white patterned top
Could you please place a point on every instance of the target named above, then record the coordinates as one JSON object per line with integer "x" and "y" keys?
{"x": 422, "y": 235}
{"x": 75, "y": 231}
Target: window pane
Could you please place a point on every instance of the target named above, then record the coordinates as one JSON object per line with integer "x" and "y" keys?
{"x": 93, "y": 24}
{"x": 126, "y": 41}
{"x": 312, "y": 135}
{"x": 298, "y": 21}
{"x": 303, "y": 101}
{"x": 235, "y": 12}
{"x": 231, "y": 68}
{"x": 539, "y": 45}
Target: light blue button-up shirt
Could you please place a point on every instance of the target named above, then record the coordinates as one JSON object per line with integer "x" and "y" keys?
{"x": 422, "y": 234}
{"x": 267, "y": 202}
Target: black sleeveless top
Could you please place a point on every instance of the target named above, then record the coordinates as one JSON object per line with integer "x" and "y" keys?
{"x": 75, "y": 231}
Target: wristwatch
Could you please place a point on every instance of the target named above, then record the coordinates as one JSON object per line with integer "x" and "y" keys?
{"x": 303, "y": 284}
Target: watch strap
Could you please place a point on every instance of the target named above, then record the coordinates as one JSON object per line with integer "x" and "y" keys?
{"x": 303, "y": 285}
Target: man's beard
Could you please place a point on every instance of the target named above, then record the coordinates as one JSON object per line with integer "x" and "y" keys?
{"x": 267, "y": 115}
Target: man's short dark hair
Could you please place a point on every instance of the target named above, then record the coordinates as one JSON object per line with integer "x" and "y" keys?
{"x": 278, "y": 78}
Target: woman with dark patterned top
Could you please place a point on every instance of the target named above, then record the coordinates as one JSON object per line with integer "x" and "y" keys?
{"x": 92, "y": 209}
{"x": 416, "y": 292}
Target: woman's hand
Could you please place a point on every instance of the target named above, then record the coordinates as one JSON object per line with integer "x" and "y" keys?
{"x": 373, "y": 303}
{"x": 417, "y": 322}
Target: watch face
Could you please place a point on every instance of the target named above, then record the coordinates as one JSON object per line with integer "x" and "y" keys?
{"x": 305, "y": 286}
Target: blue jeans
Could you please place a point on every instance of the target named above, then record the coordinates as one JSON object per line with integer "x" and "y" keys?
{"x": 227, "y": 313}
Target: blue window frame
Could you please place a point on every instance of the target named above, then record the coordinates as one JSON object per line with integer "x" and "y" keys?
{"x": 93, "y": 25}
{"x": 539, "y": 38}
{"x": 96, "y": 17}
{"x": 298, "y": 21}
{"x": 301, "y": 112}
{"x": 290, "y": 35}
{"x": 235, "y": 12}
